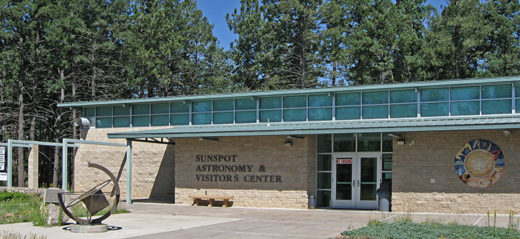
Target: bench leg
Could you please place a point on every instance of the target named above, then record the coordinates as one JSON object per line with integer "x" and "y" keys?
{"x": 195, "y": 201}
{"x": 211, "y": 202}
{"x": 226, "y": 201}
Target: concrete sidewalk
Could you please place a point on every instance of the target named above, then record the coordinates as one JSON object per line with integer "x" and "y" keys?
{"x": 149, "y": 220}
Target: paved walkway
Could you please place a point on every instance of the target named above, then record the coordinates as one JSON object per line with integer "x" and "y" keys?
{"x": 149, "y": 220}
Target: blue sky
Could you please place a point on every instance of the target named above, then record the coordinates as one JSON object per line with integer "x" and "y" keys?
{"x": 216, "y": 10}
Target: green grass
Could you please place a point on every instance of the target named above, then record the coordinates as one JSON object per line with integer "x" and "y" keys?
{"x": 427, "y": 230}
{"x": 19, "y": 207}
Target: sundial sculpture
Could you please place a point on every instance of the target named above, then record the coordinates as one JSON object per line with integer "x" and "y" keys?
{"x": 94, "y": 199}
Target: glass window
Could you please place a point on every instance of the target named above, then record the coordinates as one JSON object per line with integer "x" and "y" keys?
{"x": 245, "y": 104}
{"x": 496, "y": 107}
{"x": 324, "y": 180}
{"x": 380, "y": 97}
{"x": 517, "y": 89}
{"x": 294, "y": 101}
{"x": 202, "y": 106}
{"x": 121, "y": 110}
{"x": 223, "y": 118}
{"x": 403, "y": 111}
{"x": 320, "y": 100}
{"x": 202, "y": 118}
{"x": 434, "y": 109}
{"x": 375, "y": 112}
{"x": 180, "y": 107}
{"x": 465, "y": 108}
{"x": 104, "y": 111}
{"x": 140, "y": 109}
{"x": 160, "y": 108}
{"x": 294, "y": 115}
{"x": 324, "y": 143}
{"x": 403, "y": 96}
{"x": 344, "y": 143}
{"x": 323, "y": 198}
{"x": 369, "y": 142}
{"x": 465, "y": 93}
{"x": 348, "y": 99}
{"x": 140, "y": 121}
{"x": 346, "y": 113}
{"x": 160, "y": 120}
{"x": 271, "y": 103}
{"x": 324, "y": 162}
{"x": 496, "y": 91}
{"x": 245, "y": 117}
{"x": 122, "y": 121}
{"x": 387, "y": 143}
{"x": 180, "y": 119}
{"x": 387, "y": 162}
{"x": 223, "y": 105}
{"x": 89, "y": 112}
{"x": 103, "y": 122}
{"x": 435, "y": 94}
{"x": 270, "y": 116}
{"x": 320, "y": 114}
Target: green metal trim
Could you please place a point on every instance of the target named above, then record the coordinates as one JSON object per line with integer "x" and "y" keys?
{"x": 16, "y": 145}
{"x": 93, "y": 142}
{"x": 426, "y": 84}
{"x": 31, "y": 142}
{"x": 329, "y": 127}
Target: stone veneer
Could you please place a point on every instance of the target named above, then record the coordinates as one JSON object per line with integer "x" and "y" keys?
{"x": 424, "y": 178}
{"x": 161, "y": 171}
{"x": 294, "y": 165}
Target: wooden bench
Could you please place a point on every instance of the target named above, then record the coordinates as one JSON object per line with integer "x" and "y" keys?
{"x": 211, "y": 199}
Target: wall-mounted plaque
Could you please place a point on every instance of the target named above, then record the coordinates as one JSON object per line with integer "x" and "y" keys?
{"x": 479, "y": 163}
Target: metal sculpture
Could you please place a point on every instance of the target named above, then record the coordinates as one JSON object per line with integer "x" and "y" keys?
{"x": 94, "y": 200}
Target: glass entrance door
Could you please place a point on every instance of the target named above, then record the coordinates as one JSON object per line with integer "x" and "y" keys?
{"x": 355, "y": 179}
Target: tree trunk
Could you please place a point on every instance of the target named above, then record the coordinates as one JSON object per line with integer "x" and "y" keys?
{"x": 19, "y": 161}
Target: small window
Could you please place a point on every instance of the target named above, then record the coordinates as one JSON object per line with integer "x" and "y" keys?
{"x": 496, "y": 91}
{"x": 320, "y": 114}
{"x": 180, "y": 119}
{"x": 496, "y": 107}
{"x": 202, "y": 106}
{"x": 369, "y": 142}
{"x": 270, "y": 103}
{"x": 180, "y": 107}
{"x": 270, "y": 116}
{"x": 160, "y": 108}
{"x": 104, "y": 111}
{"x": 294, "y": 115}
{"x": 403, "y": 111}
{"x": 223, "y": 105}
{"x": 375, "y": 112}
{"x": 245, "y": 117}
{"x": 465, "y": 108}
{"x": 160, "y": 120}
{"x": 141, "y": 109}
{"x": 223, "y": 118}
{"x": 121, "y": 121}
{"x": 320, "y": 100}
{"x": 245, "y": 103}
{"x": 202, "y": 118}
{"x": 435, "y": 109}
{"x": 121, "y": 110}
{"x": 403, "y": 96}
{"x": 347, "y": 113}
{"x": 324, "y": 162}
{"x": 138, "y": 121}
{"x": 344, "y": 143}
{"x": 380, "y": 97}
{"x": 441, "y": 94}
{"x": 348, "y": 99}
{"x": 324, "y": 143}
{"x": 104, "y": 122}
{"x": 89, "y": 112}
{"x": 294, "y": 101}
{"x": 465, "y": 93}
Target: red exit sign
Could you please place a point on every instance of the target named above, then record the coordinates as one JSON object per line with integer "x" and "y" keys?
{"x": 344, "y": 161}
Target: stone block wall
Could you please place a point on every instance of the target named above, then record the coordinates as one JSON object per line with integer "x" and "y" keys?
{"x": 153, "y": 165}
{"x": 287, "y": 174}
{"x": 275, "y": 175}
{"x": 424, "y": 178}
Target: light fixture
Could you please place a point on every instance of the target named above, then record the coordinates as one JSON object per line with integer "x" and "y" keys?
{"x": 507, "y": 132}
{"x": 288, "y": 143}
{"x": 295, "y": 137}
{"x": 83, "y": 123}
{"x": 394, "y": 135}
{"x": 401, "y": 141}
{"x": 214, "y": 139}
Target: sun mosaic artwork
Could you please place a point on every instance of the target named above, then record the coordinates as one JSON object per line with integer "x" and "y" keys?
{"x": 479, "y": 163}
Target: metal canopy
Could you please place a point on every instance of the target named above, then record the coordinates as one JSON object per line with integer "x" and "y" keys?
{"x": 328, "y": 127}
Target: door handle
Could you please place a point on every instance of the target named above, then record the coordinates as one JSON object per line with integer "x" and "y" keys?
{"x": 358, "y": 183}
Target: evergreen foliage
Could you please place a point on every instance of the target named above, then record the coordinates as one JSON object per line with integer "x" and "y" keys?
{"x": 56, "y": 51}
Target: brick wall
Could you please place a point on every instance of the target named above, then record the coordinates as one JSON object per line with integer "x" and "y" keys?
{"x": 424, "y": 177}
